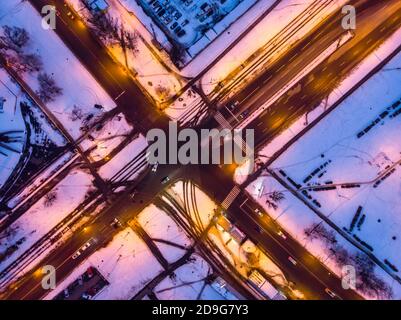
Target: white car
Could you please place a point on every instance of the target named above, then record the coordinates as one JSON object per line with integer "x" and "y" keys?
{"x": 76, "y": 254}
{"x": 258, "y": 212}
{"x": 292, "y": 260}
{"x": 88, "y": 244}
{"x": 154, "y": 167}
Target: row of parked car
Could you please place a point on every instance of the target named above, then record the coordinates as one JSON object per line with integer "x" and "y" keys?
{"x": 170, "y": 16}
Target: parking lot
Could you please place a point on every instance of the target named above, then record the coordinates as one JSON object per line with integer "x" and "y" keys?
{"x": 186, "y": 21}
{"x": 84, "y": 287}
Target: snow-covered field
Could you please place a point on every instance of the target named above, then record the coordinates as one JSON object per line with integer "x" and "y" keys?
{"x": 295, "y": 217}
{"x": 11, "y": 120}
{"x": 359, "y": 160}
{"x": 60, "y": 64}
{"x": 188, "y": 282}
{"x": 126, "y": 263}
{"x": 43, "y": 216}
{"x": 159, "y": 226}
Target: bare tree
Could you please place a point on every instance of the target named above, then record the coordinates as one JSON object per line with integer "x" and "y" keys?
{"x": 367, "y": 281}
{"x": 106, "y": 27}
{"x": 48, "y": 90}
{"x": 76, "y": 113}
{"x": 318, "y": 231}
{"x": 50, "y": 198}
{"x": 14, "y": 38}
{"x": 162, "y": 92}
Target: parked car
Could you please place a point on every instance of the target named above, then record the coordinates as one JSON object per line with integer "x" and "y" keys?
{"x": 165, "y": 180}
{"x": 174, "y": 25}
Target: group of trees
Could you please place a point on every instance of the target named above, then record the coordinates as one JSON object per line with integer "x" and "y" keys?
{"x": 366, "y": 279}
{"x": 111, "y": 31}
{"x": 14, "y": 43}
{"x": 274, "y": 198}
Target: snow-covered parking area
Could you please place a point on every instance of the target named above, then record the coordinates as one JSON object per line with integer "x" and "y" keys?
{"x": 354, "y": 151}
{"x": 74, "y": 88}
{"x": 188, "y": 22}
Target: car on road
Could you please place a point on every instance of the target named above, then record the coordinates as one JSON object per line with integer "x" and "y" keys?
{"x": 155, "y": 166}
{"x": 258, "y": 212}
{"x": 281, "y": 234}
{"x": 331, "y": 293}
{"x": 292, "y": 260}
{"x": 70, "y": 15}
{"x": 243, "y": 114}
{"x": 116, "y": 223}
{"x": 233, "y": 105}
{"x": 165, "y": 180}
{"x": 76, "y": 254}
{"x": 133, "y": 194}
{"x": 88, "y": 244}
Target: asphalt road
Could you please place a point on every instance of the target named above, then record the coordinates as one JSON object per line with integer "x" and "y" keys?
{"x": 311, "y": 277}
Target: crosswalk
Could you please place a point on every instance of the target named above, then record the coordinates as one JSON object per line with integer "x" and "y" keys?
{"x": 226, "y": 125}
{"x": 230, "y": 197}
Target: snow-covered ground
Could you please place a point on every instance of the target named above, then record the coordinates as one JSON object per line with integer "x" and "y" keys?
{"x": 357, "y": 160}
{"x": 126, "y": 263}
{"x": 159, "y": 226}
{"x": 124, "y": 159}
{"x": 43, "y": 216}
{"x": 295, "y": 217}
{"x": 60, "y": 64}
{"x": 201, "y": 211}
{"x": 11, "y": 119}
{"x": 188, "y": 282}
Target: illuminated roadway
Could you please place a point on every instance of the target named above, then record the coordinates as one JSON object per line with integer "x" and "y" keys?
{"x": 309, "y": 275}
